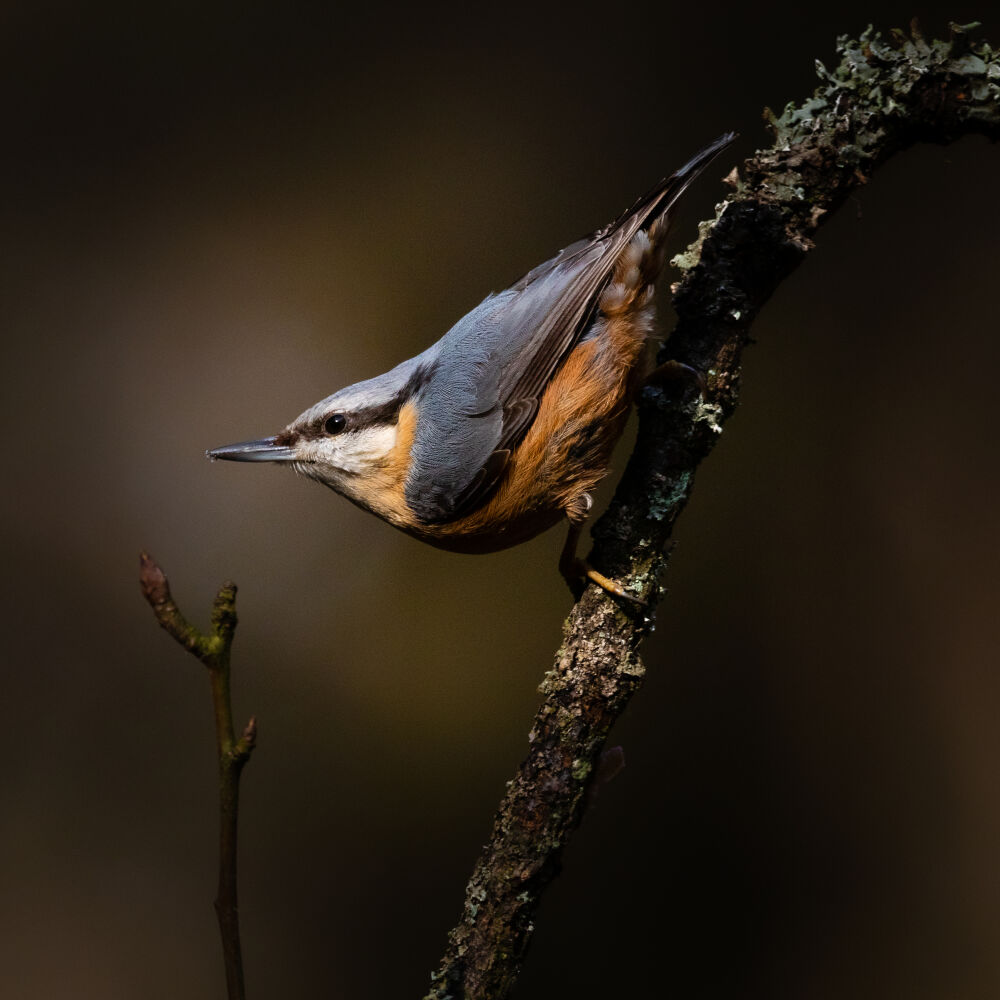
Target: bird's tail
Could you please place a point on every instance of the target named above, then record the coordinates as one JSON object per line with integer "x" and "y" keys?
{"x": 641, "y": 233}
{"x": 658, "y": 202}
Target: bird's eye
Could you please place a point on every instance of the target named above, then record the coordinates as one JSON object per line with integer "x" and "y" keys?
{"x": 335, "y": 423}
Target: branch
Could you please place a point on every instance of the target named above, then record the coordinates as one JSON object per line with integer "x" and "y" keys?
{"x": 213, "y": 650}
{"x": 884, "y": 96}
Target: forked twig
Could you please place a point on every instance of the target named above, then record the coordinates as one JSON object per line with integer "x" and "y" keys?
{"x": 213, "y": 650}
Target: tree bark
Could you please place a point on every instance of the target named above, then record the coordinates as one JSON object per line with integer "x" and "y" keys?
{"x": 885, "y": 95}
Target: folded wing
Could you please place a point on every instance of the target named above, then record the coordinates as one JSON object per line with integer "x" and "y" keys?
{"x": 492, "y": 367}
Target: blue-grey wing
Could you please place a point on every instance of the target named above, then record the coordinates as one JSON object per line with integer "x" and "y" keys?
{"x": 490, "y": 370}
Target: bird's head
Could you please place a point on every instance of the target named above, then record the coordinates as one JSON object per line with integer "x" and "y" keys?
{"x": 356, "y": 441}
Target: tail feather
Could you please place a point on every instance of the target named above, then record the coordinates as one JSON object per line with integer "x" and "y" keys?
{"x": 640, "y": 261}
{"x": 662, "y": 198}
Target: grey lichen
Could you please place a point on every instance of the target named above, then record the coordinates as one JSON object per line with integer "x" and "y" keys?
{"x": 687, "y": 259}
{"x": 884, "y": 94}
{"x": 665, "y": 500}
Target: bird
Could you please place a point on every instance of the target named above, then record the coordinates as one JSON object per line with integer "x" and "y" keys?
{"x": 504, "y": 426}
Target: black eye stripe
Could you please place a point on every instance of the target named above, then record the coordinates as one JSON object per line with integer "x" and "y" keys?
{"x": 374, "y": 415}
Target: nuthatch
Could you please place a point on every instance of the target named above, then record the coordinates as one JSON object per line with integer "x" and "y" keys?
{"x": 504, "y": 426}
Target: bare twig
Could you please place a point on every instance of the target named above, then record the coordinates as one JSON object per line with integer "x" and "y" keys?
{"x": 213, "y": 650}
{"x": 884, "y": 96}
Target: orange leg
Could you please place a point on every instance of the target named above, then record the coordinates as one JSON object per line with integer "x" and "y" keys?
{"x": 576, "y": 571}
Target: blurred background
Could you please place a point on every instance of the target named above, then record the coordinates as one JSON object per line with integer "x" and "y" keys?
{"x": 212, "y": 216}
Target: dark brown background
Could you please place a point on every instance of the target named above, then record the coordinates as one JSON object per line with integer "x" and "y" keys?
{"x": 211, "y": 219}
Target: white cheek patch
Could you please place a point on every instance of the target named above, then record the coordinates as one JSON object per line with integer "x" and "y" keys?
{"x": 355, "y": 451}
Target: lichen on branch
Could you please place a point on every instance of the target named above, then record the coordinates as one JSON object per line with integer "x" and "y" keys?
{"x": 884, "y": 94}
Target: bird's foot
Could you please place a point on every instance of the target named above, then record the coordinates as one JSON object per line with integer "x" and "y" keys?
{"x": 579, "y": 573}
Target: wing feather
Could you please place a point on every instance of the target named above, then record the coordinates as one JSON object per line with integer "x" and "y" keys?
{"x": 495, "y": 363}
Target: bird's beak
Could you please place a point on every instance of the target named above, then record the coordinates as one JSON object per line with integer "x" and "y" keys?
{"x": 264, "y": 450}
